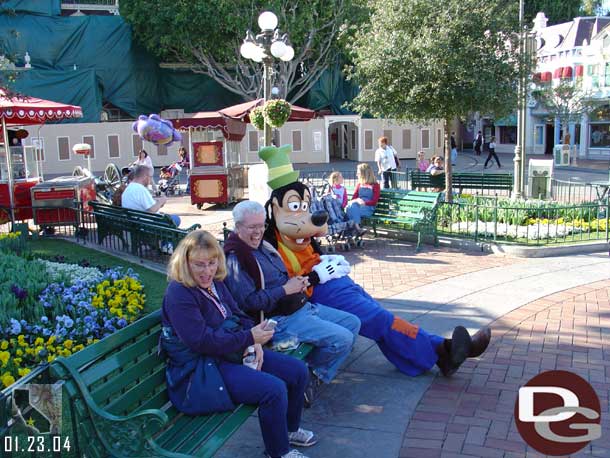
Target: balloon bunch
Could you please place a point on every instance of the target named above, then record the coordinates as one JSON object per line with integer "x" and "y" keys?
{"x": 156, "y": 130}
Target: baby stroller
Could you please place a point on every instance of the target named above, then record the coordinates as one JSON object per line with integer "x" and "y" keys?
{"x": 342, "y": 233}
{"x": 169, "y": 180}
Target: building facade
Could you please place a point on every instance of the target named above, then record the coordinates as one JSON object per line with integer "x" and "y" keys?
{"x": 320, "y": 140}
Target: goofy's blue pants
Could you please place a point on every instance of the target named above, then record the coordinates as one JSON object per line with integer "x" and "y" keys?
{"x": 407, "y": 346}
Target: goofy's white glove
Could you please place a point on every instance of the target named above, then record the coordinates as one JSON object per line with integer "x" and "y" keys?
{"x": 337, "y": 258}
{"x": 328, "y": 270}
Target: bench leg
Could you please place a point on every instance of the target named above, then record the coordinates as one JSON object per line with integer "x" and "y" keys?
{"x": 418, "y": 241}
{"x": 375, "y": 229}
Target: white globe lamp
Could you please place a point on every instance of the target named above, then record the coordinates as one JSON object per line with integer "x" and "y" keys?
{"x": 278, "y": 49}
{"x": 247, "y": 49}
{"x": 267, "y": 21}
{"x": 288, "y": 54}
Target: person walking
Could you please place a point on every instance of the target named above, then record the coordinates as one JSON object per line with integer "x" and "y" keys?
{"x": 386, "y": 161}
{"x": 492, "y": 153}
{"x": 454, "y": 151}
{"x": 478, "y": 143}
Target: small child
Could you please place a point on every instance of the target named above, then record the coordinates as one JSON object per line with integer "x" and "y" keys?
{"x": 422, "y": 162}
{"x": 337, "y": 189}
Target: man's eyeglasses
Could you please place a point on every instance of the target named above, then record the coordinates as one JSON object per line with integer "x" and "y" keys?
{"x": 255, "y": 227}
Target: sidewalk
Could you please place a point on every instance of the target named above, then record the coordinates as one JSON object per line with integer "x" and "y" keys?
{"x": 470, "y": 415}
{"x": 367, "y": 408}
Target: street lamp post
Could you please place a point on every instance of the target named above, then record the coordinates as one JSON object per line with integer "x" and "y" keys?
{"x": 263, "y": 48}
{"x": 526, "y": 52}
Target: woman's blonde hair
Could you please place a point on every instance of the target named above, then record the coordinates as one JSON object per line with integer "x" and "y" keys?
{"x": 334, "y": 177}
{"x": 365, "y": 174}
{"x": 178, "y": 268}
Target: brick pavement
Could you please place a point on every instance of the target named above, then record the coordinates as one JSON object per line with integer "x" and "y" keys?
{"x": 470, "y": 414}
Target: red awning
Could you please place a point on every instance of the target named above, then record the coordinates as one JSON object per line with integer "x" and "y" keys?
{"x": 558, "y": 72}
{"x": 580, "y": 71}
{"x": 546, "y": 77}
{"x": 232, "y": 129}
{"x": 242, "y": 111}
{"x": 23, "y": 110}
{"x": 566, "y": 73}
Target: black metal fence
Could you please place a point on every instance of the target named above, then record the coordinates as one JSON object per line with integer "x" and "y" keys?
{"x": 80, "y": 225}
{"x": 524, "y": 223}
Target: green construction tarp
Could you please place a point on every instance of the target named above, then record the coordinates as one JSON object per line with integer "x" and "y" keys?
{"x": 125, "y": 75}
{"x": 44, "y": 7}
{"x": 332, "y": 91}
{"x": 78, "y": 87}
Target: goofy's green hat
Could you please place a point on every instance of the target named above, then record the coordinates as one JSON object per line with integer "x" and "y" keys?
{"x": 281, "y": 172}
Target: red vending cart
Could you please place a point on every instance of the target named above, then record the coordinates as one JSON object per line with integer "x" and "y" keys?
{"x": 216, "y": 174}
{"x": 213, "y": 179}
{"x": 24, "y": 177}
{"x": 54, "y": 201}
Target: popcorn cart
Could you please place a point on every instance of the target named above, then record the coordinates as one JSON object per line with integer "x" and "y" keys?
{"x": 56, "y": 202}
{"x": 216, "y": 174}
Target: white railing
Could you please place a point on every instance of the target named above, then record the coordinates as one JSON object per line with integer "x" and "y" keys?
{"x": 111, "y": 6}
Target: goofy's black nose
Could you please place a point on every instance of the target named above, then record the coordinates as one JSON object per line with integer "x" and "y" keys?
{"x": 319, "y": 218}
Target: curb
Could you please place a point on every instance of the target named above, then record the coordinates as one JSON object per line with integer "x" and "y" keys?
{"x": 525, "y": 251}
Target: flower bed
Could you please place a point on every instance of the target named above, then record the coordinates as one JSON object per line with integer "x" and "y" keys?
{"x": 525, "y": 220}
{"x": 537, "y": 230}
{"x": 56, "y": 309}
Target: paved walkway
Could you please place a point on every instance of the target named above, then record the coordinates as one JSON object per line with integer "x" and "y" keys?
{"x": 373, "y": 410}
{"x": 470, "y": 415}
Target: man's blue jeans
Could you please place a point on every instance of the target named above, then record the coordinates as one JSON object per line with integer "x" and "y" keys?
{"x": 332, "y": 332}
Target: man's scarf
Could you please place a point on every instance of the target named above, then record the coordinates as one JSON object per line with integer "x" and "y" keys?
{"x": 245, "y": 256}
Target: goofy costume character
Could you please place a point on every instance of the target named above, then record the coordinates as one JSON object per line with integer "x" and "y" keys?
{"x": 289, "y": 229}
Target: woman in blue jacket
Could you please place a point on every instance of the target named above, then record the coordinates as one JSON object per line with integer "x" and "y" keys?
{"x": 205, "y": 337}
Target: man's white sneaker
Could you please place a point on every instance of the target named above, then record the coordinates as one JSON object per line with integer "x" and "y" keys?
{"x": 294, "y": 454}
{"x": 302, "y": 438}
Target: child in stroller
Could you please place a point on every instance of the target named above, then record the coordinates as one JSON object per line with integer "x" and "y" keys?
{"x": 342, "y": 232}
{"x": 169, "y": 180}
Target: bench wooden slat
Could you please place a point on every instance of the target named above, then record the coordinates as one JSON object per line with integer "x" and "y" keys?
{"x": 121, "y": 359}
{"x": 103, "y": 393}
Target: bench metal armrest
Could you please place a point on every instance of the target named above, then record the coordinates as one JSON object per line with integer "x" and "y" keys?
{"x": 122, "y": 436}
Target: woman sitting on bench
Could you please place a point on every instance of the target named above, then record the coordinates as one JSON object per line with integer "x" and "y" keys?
{"x": 205, "y": 337}
{"x": 365, "y": 197}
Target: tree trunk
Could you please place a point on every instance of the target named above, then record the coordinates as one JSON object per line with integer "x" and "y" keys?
{"x": 448, "y": 166}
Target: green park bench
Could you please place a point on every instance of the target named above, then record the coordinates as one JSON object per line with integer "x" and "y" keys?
{"x": 135, "y": 228}
{"x": 461, "y": 181}
{"x": 119, "y": 406}
{"x": 406, "y": 211}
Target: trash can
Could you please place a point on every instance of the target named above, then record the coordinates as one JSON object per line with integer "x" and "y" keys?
{"x": 540, "y": 173}
{"x": 561, "y": 155}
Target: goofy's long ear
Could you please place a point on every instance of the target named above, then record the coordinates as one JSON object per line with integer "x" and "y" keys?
{"x": 316, "y": 246}
{"x": 269, "y": 234}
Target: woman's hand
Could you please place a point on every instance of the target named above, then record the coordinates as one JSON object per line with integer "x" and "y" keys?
{"x": 258, "y": 349}
{"x": 296, "y": 285}
{"x": 261, "y": 336}
{"x": 359, "y": 201}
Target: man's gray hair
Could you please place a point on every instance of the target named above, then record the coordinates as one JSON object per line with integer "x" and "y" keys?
{"x": 247, "y": 207}
{"x": 141, "y": 171}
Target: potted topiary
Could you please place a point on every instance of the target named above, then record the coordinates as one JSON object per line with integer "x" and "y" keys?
{"x": 257, "y": 118}
{"x": 276, "y": 112}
